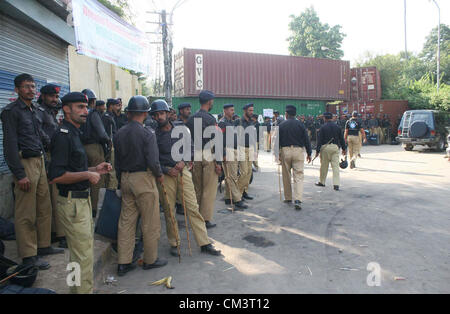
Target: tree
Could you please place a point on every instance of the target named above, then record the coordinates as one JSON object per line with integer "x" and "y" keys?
{"x": 120, "y": 7}
{"x": 429, "y": 52}
{"x": 311, "y": 38}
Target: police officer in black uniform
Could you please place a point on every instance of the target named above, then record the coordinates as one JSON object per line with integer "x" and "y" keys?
{"x": 108, "y": 117}
{"x": 184, "y": 111}
{"x": 119, "y": 117}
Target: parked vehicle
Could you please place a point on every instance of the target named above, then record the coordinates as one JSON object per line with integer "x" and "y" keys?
{"x": 424, "y": 127}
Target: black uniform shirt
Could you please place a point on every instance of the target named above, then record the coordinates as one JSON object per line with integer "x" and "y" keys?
{"x": 136, "y": 150}
{"x": 49, "y": 122}
{"x": 293, "y": 133}
{"x": 109, "y": 123}
{"x": 330, "y": 133}
{"x": 68, "y": 155}
{"x": 248, "y": 124}
{"x": 150, "y": 122}
{"x": 353, "y": 126}
{"x": 93, "y": 131}
{"x": 22, "y": 131}
{"x": 120, "y": 120}
{"x": 223, "y": 124}
{"x": 207, "y": 120}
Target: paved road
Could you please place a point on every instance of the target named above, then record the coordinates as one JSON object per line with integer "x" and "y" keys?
{"x": 392, "y": 210}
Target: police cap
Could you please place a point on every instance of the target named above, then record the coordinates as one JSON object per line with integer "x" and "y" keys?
{"x": 89, "y": 93}
{"x": 50, "y": 89}
{"x": 184, "y": 105}
{"x": 227, "y": 106}
{"x": 328, "y": 115}
{"x": 159, "y": 105}
{"x": 205, "y": 96}
{"x": 112, "y": 101}
{"x": 291, "y": 110}
{"x": 74, "y": 97}
{"x": 276, "y": 112}
{"x": 247, "y": 106}
{"x": 138, "y": 104}
{"x": 99, "y": 103}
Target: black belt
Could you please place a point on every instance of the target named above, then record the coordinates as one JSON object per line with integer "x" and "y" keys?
{"x": 75, "y": 194}
{"x": 134, "y": 171}
{"x": 30, "y": 154}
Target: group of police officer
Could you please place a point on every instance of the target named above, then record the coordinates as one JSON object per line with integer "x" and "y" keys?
{"x": 60, "y": 165}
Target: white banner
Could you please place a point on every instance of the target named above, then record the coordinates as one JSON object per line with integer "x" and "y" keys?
{"x": 103, "y": 35}
{"x": 268, "y": 113}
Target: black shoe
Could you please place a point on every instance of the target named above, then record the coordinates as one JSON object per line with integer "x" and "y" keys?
{"x": 240, "y": 205}
{"x": 352, "y": 164}
{"x": 173, "y": 251}
{"x": 246, "y": 196}
{"x": 336, "y": 187}
{"x": 227, "y": 202}
{"x": 35, "y": 260}
{"x": 49, "y": 251}
{"x": 209, "y": 249}
{"x": 94, "y": 213}
{"x": 122, "y": 269}
{"x": 209, "y": 225}
{"x": 179, "y": 209}
{"x": 297, "y": 205}
{"x": 287, "y": 201}
{"x": 63, "y": 243}
{"x": 320, "y": 184}
{"x": 156, "y": 264}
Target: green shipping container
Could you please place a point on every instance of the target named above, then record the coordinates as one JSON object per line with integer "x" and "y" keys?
{"x": 304, "y": 107}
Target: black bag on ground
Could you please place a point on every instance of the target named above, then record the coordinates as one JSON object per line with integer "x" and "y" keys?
{"x": 7, "y": 230}
{"x": 108, "y": 221}
{"x": 15, "y": 289}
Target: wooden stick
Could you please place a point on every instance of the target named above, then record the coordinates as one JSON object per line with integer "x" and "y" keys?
{"x": 185, "y": 215}
{"x": 16, "y": 273}
{"x": 172, "y": 219}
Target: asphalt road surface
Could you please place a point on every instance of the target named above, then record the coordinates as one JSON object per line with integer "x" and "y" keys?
{"x": 392, "y": 212}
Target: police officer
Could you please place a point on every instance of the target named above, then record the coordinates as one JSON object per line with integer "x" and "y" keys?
{"x": 137, "y": 174}
{"x": 184, "y": 111}
{"x": 329, "y": 141}
{"x": 231, "y": 162}
{"x": 177, "y": 181}
{"x": 277, "y": 118}
{"x": 23, "y": 149}
{"x": 268, "y": 127}
{"x": 92, "y": 98}
{"x": 110, "y": 127}
{"x": 247, "y": 150}
{"x": 119, "y": 117}
{"x": 353, "y": 129}
{"x": 95, "y": 139}
{"x": 293, "y": 143}
{"x": 69, "y": 170}
{"x": 386, "y": 123}
{"x": 204, "y": 173}
{"x": 49, "y": 106}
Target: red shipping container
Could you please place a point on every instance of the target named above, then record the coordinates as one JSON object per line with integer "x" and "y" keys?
{"x": 256, "y": 75}
{"x": 365, "y": 84}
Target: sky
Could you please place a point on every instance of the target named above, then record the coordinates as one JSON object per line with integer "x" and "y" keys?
{"x": 262, "y": 25}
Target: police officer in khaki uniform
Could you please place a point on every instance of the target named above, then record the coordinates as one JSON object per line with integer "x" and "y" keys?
{"x": 138, "y": 169}
{"x": 205, "y": 173}
{"x": 294, "y": 143}
{"x": 49, "y": 106}
{"x": 69, "y": 170}
{"x": 94, "y": 139}
{"x": 329, "y": 141}
{"x": 177, "y": 181}
{"x": 231, "y": 161}
{"x": 353, "y": 130}
{"x": 23, "y": 149}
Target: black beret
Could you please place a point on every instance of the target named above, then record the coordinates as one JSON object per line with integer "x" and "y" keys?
{"x": 206, "y": 95}
{"x": 292, "y": 110}
{"x": 276, "y": 112}
{"x": 74, "y": 97}
{"x": 328, "y": 115}
{"x": 99, "y": 103}
{"x": 50, "y": 89}
{"x": 112, "y": 101}
{"x": 184, "y": 105}
{"x": 227, "y": 106}
{"x": 247, "y": 106}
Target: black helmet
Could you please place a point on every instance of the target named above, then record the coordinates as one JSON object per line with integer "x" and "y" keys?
{"x": 138, "y": 104}
{"x": 89, "y": 93}
{"x": 26, "y": 277}
{"x": 344, "y": 163}
{"x": 159, "y": 105}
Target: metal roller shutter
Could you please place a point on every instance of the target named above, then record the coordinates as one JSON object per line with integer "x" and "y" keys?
{"x": 27, "y": 50}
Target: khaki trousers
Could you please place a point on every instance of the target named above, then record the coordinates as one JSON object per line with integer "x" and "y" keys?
{"x": 95, "y": 156}
{"x": 175, "y": 191}
{"x": 56, "y": 224}
{"x": 267, "y": 141}
{"x": 245, "y": 168}
{"x": 330, "y": 154}
{"x": 111, "y": 178}
{"x": 231, "y": 176}
{"x": 292, "y": 158}
{"x": 139, "y": 198}
{"x": 33, "y": 209}
{"x": 76, "y": 219}
{"x": 354, "y": 146}
{"x": 205, "y": 181}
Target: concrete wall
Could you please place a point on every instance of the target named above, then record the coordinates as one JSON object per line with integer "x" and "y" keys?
{"x": 101, "y": 77}
{"x": 6, "y": 196}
